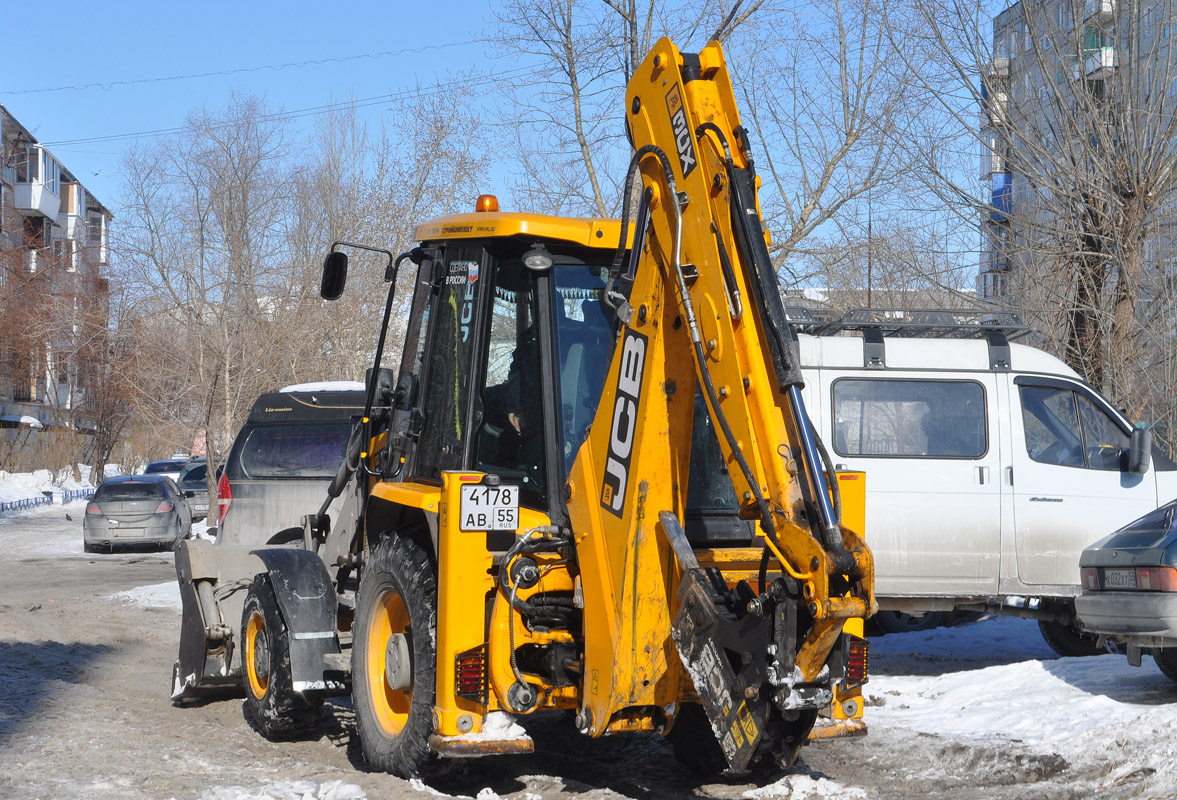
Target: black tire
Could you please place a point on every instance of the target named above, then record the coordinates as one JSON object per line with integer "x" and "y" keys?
{"x": 1166, "y": 658}
{"x": 278, "y": 710}
{"x": 695, "y": 745}
{"x": 1068, "y": 641}
{"x": 397, "y": 595}
{"x": 902, "y": 622}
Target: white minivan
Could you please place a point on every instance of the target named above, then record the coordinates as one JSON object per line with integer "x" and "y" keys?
{"x": 989, "y": 466}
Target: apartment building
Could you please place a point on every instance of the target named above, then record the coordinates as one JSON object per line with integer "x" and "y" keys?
{"x": 1074, "y": 90}
{"x": 53, "y": 295}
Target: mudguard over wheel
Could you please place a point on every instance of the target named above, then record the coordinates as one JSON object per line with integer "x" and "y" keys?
{"x": 393, "y": 657}
{"x": 279, "y": 711}
{"x": 1068, "y": 641}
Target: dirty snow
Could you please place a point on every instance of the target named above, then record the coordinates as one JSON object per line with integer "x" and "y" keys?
{"x": 804, "y": 787}
{"x": 988, "y": 686}
{"x": 159, "y": 595}
{"x": 288, "y": 790}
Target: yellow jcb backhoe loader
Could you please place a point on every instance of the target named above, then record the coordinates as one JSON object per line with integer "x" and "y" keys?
{"x": 593, "y": 485}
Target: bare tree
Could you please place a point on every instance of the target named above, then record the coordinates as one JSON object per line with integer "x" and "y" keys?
{"x": 1079, "y": 139}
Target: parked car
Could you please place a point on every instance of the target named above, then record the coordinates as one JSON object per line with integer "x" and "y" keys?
{"x": 170, "y": 467}
{"x": 136, "y": 510}
{"x": 1130, "y": 588}
{"x": 193, "y": 484}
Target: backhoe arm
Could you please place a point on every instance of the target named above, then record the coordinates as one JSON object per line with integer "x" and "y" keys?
{"x": 701, "y": 305}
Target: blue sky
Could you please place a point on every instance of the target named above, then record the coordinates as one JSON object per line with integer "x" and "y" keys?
{"x": 128, "y": 46}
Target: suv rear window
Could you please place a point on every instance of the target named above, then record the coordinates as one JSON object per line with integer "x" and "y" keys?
{"x": 293, "y": 451}
{"x": 129, "y": 491}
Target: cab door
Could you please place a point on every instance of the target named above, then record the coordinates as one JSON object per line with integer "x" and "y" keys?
{"x": 1069, "y": 478}
{"x": 931, "y": 450}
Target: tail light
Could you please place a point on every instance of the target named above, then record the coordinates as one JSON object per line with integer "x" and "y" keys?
{"x": 93, "y": 508}
{"x": 470, "y": 675}
{"x": 856, "y": 661}
{"x": 164, "y": 507}
{"x": 224, "y": 498}
{"x": 1129, "y": 579}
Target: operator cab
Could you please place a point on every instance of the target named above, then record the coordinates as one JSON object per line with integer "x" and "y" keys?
{"x": 509, "y": 341}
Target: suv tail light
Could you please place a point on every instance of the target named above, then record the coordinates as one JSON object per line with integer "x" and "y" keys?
{"x": 224, "y": 498}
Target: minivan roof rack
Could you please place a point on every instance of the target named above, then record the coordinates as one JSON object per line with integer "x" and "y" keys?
{"x": 938, "y": 323}
{"x": 878, "y": 324}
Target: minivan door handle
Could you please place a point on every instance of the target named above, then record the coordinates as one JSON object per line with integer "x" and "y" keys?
{"x": 982, "y": 475}
{"x": 1009, "y": 476}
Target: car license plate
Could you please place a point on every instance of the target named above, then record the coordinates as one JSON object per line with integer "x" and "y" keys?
{"x": 202, "y": 507}
{"x": 489, "y": 508}
{"x": 1119, "y": 579}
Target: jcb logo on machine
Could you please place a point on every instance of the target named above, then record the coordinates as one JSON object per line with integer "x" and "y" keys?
{"x": 625, "y": 419}
{"x": 682, "y": 133}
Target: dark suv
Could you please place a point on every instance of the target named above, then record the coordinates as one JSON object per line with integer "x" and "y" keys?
{"x": 281, "y": 464}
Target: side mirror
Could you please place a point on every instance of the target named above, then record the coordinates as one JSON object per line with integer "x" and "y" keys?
{"x": 1140, "y": 451}
{"x": 405, "y": 395}
{"x": 334, "y": 275}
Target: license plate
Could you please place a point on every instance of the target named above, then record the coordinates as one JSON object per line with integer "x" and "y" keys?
{"x": 200, "y": 508}
{"x": 1119, "y": 579}
{"x": 489, "y": 508}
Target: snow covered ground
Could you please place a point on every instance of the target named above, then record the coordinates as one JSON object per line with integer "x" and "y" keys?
{"x": 1086, "y": 726}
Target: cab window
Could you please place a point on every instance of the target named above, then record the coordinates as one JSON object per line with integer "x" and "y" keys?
{"x": 447, "y": 380}
{"x": 510, "y": 439}
{"x": 1067, "y": 428}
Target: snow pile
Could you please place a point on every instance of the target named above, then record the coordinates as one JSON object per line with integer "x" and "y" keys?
{"x": 288, "y": 790}
{"x": 24, "y": 485}
{"x": 158, "y": 595}
{"x": 325, "y": 386}
{"x": 805, "y": 787}
{"x": 497, "y": 727}
{"x": 1085, "y": 710}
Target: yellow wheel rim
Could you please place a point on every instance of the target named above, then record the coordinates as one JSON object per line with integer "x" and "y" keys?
{"x": 255, "y": 627}
{"x": 391, "y": 705}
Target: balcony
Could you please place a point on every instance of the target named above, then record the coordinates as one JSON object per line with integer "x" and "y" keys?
{"x": 993, "y": 154}
{"x": 1098, "y": 10}
{"x": 1099, "y": 63}
{"x": 35, "y": 199}
{"x": 1001, "y": 197}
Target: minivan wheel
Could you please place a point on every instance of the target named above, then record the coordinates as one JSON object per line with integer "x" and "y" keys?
{"x": 279, "y": 711}
{"x": 396, "y": 618}
{"x": 1068, "y": 641}
{"x": 1166, "y": 658}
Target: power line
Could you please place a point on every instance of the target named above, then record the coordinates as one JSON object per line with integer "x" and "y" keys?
{"x": 401, "y": 94}
{"x": 106, "y": 86}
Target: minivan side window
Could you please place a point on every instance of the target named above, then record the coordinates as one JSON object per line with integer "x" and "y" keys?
{"x": 909, "y": 418}
{"x": 1067, "y": 428}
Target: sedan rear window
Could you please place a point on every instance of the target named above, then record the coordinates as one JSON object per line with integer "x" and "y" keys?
{"x": 129, "y": 491}
{"x": 163, "y": 466}
{"x": 294, "y": 451}
{"x": 193, "y": 474}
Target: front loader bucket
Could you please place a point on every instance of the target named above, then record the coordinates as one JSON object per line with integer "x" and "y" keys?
{"x": 213, "y": 581}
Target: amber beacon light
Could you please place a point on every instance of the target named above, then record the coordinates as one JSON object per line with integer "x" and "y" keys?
{"x": 486, "y": 202}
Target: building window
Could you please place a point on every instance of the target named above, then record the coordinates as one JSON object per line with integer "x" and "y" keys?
{"x": 1063, "y": 17}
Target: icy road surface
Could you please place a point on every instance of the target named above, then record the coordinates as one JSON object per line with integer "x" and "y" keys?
{"x": 984, "y": 710}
